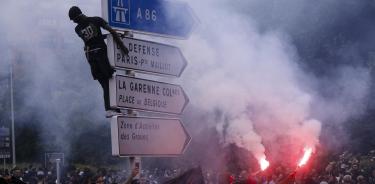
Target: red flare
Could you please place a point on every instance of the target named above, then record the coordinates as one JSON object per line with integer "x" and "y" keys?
{"x": 306, "y": 156}
{"x": 263, "y": 163}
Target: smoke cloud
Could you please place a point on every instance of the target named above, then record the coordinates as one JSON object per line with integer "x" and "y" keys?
{"x": 253, "y": 79}
{"x": 38, "y": 39}
{"x": 247, "y": 73}
{"x": 251, "y": 72}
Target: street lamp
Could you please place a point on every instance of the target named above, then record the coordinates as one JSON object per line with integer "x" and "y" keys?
{"x": 12, "y": 116}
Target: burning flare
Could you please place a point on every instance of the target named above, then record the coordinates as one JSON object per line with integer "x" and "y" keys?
{"x": 306, "y": 156}
{"x": 263, "y": 163}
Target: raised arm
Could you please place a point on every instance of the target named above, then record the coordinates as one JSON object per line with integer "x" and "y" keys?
{"x": 134, "y": 173}
{"x": 116, "y": 38}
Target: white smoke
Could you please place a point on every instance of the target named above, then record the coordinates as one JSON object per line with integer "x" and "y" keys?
{"x": 40, "y": 42}
{"x": 253, "y": 78}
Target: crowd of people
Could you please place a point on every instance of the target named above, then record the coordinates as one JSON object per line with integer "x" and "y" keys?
{"x": 72, "y": 175}
{"x": 346, "y": 168}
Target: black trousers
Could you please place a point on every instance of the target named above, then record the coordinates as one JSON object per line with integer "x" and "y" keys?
{"x": 101, "y": 70}
{"x": 104, "y": 82}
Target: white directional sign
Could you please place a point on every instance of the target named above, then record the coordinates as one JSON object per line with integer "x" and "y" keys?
{"x": 147, "y": 136}
{"x": 140, "y": 94}
{"x": 147, "y": 56}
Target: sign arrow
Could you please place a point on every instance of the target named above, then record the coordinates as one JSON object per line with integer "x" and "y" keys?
{"x": 147, "y": 56}
{"x": 160, "y": 17}
{"x": 141, "y": 136}
{"x": 141, "y": 94}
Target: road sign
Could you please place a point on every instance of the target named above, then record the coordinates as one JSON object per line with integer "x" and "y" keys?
{"x": 140, "y": 136}
{"x": 51, "y": 158}
{"x": 147, "y": 56}
{"x": 141, "y": 94}
{"x": 161, "y": 17}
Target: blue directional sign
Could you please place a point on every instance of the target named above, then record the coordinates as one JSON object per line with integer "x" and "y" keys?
{"x": 161, "y": 17}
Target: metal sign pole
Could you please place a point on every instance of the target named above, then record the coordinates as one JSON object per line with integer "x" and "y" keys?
{"x": 12, "y": 113}
{"x": 134, "y": 161}
{"x": 138, "y": 164}
{"x": 58, "y": 171}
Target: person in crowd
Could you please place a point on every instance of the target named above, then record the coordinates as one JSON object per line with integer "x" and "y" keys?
{"x": 134, "y": 173}
{"x": 347, "y": 179}
{"x": 372, "y": 176}
{"x": 361, "y": 180}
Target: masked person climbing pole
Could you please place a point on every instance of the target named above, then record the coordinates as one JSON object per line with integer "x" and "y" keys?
{"x": 88, "y": 29}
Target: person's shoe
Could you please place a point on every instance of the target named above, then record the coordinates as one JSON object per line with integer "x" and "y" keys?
{"x": 111, "y": 113}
